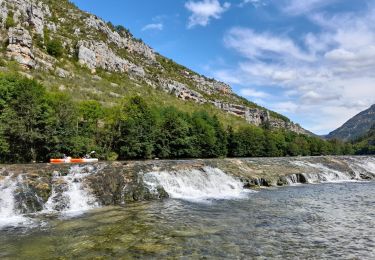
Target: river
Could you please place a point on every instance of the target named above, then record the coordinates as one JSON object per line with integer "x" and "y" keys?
{"x": 335, "y": 220}
{"x": 209, "y": 215}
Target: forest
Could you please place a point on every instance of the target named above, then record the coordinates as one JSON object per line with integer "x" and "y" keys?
{"x": 36, "y": 124}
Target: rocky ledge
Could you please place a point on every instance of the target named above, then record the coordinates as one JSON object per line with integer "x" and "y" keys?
{"x": 117, "y": 183}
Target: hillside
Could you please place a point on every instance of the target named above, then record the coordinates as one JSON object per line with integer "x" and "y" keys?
{"x": 76, "y": 52}
{"x": 355, "y": 127}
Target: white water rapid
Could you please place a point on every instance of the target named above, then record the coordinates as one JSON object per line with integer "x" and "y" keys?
{"x": 8, "y": 213}
{"x": 362, "y": 166}
{"x": 197, "y": 185}
{"x": 323, "y": 173}
{"x": 71, "y": 198}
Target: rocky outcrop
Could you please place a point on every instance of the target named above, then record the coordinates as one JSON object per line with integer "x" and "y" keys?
{"x": 34, "y": 13}
{"x": 181, "y": 91}
{"x": 210, "y": 86}
{"x": 98, "y": 55}
{"x": 117, "y": 183}
{"x": 253, "y": 116}
{"x": 128, "y": 43}
{"x": 281, "y": 124}
{"x": 3, "y": 13}
{"x": 20, "y": 47}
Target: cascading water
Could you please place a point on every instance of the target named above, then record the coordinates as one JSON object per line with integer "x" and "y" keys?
{"x": 363, "y": 167}
{"x": 196, "y": 185}
{"x": 69, "y": 194}
{"x": 8, "y": 213}
{"x": 295, "y": 179}
{"x": 323, "y": 173}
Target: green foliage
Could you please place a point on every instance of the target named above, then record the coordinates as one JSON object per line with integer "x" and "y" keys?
{"x": 365, "y": 144}
{"x": 9, "y": 22}
{"x": 23, "y": 119}
{"x": 55, "y": 48}
{"x": 36, "y": 125}
{"x": 137, "y": 130}
{"x": 248, "y": 141}
{"x": 173, "y": 137}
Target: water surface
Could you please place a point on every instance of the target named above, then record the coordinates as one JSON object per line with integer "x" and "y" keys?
{"x": 333, "y": 220}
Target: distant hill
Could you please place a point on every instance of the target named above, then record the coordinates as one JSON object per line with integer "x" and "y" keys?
{"x": 355, "y": 127}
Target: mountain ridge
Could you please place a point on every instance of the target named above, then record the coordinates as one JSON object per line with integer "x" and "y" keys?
{"x": 356, "y": 126}
{"x": 29, "y": 29}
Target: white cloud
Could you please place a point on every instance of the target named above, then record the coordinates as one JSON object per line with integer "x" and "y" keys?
{"x": 285, "y": 107}
{"x": 249, "y": 92}
{"x": 205, "y": 10}
{"x": 255, "y": 45}
{"x": 324, "y": 77}
{"x": 298, "y": 7}
{"x": 255, "y": 3}
{"x": 153, "y": 26}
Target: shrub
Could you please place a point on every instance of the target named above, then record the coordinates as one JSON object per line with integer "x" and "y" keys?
{"x": 2, "y": 63}
{"x": 55, "y": 48}
{"x": 9, "y": 22}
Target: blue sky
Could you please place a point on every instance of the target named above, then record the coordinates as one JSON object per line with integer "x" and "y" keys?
{"x": 312, "y": 60}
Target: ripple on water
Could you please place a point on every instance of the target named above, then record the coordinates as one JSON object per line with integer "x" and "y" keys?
{"x": 309, "y": 221}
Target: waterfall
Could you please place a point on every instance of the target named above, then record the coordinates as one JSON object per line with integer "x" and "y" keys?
{"x": 322, "y": 173}
{"x": 9, "y": 216}
{"x": 69, "y": 195}
{"x": 295, "y": 179}
{"x": 196, "y": 185}
{"x": 364, "y": 167}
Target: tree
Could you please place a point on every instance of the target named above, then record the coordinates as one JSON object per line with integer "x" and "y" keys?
{"x": 173, "y": 137}
{"x": 137, "y": 128}
{"x": 204, "y": 136}
{"x": 62, "y": 126}
{"x": 23, "y": 118}
{"x": 250, "y": 142}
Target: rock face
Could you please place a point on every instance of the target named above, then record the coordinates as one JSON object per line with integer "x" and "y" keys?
{"x": 122, "y": 42}
{"x": 34, "y": 13}
{"x": 181, "y": 91}
{"x": 3, "y": 13}
{"x": 356, "y": 126}
{"x": 98, "y": 55}
{"x": 20, "y": 47}
{"x": 210, "y": 86}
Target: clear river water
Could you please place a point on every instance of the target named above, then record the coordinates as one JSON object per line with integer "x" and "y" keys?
{"x": 318, "y": 221}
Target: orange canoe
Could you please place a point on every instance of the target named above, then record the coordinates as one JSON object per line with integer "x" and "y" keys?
{"x": 73, "y": 160}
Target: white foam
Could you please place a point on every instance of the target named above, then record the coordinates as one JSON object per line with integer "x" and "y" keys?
{"x": 9, "y": 217}
{"x": 323, "y": 173}
{"x": 79, "y": 199}
{"x": 197, "y": 185}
